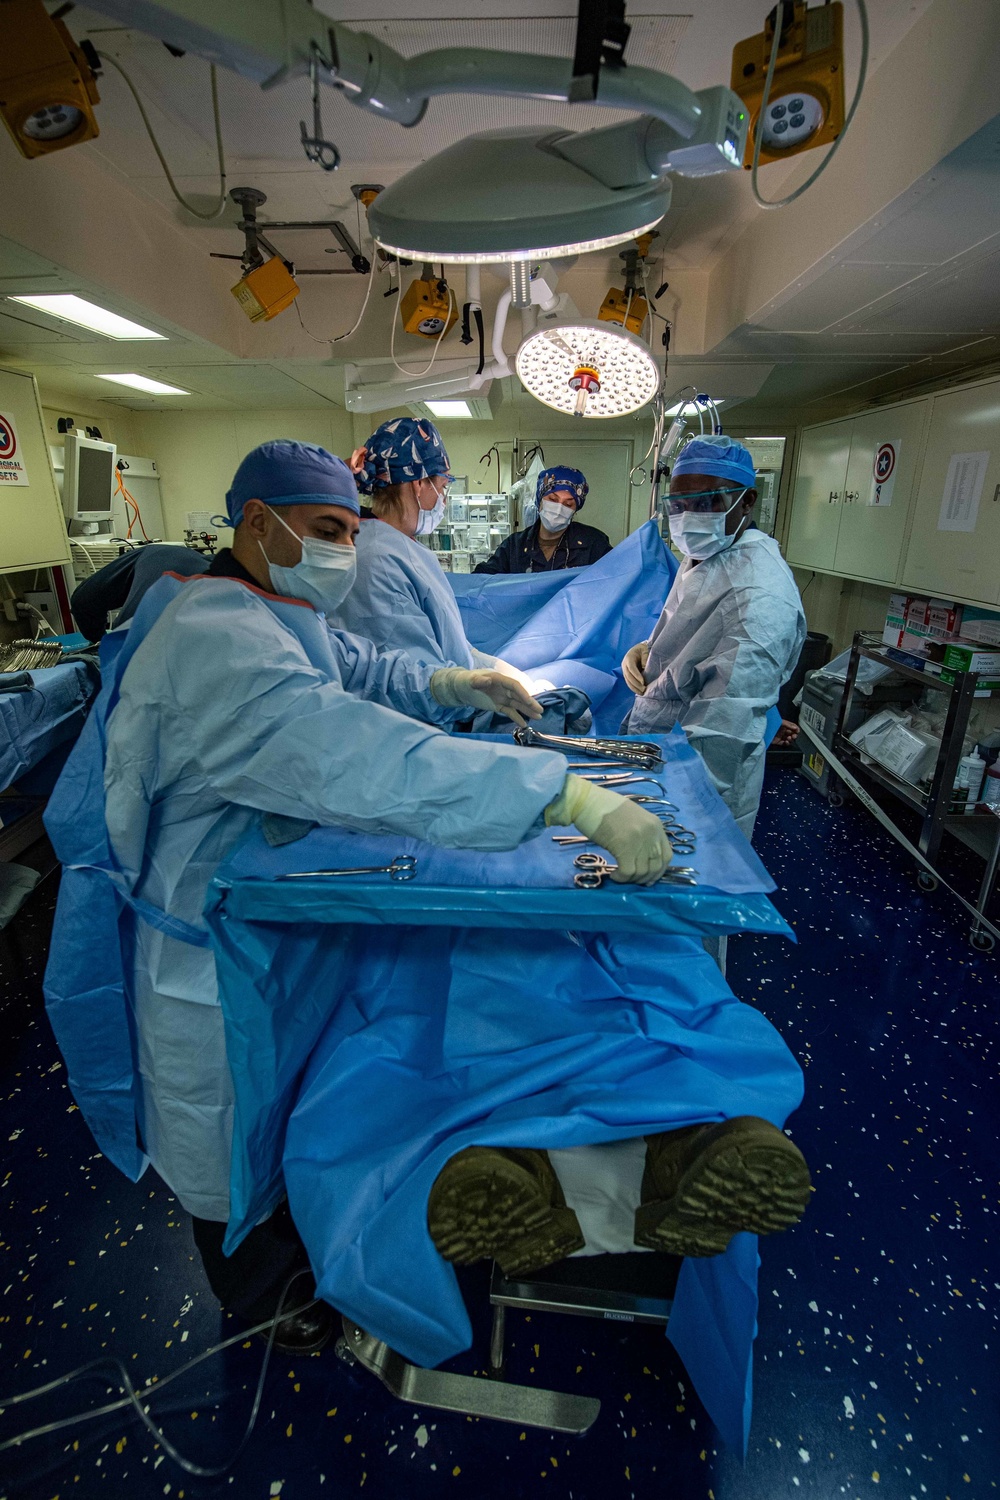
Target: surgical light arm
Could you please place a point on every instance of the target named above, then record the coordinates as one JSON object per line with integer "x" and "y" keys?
{"x": 269, "y": 43}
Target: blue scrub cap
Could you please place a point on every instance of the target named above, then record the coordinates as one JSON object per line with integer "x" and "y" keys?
{"x": 402, "y": 450}
{"x": 287, "y": 473}
{"x": 562, "y": 478}
{"x": 719, "y": 456}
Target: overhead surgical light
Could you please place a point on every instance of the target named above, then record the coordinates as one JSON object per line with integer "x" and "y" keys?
{"x": 587, "y": 369}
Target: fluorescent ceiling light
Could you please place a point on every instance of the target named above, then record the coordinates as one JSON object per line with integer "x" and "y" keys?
{"x": 588, "y": 369}
{"x": 86, "y": 314}
{"x": 143, "y": 383}
{"x": 508, "y": 195}
{"x": 448, "y": 408}
{"x": 692, "y": 408}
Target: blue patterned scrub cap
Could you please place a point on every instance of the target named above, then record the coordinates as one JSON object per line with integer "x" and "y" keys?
{"x": 562, "y": 478}
{"x": 403, "y": 449}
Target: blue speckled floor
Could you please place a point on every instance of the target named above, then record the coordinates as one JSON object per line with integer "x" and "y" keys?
{"x": 877, "y": 1367}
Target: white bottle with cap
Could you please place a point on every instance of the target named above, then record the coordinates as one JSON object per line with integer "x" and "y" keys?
{"x": 968, "y": 783}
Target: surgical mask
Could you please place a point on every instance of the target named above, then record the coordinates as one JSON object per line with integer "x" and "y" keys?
{"x": 430, "y": 520}
{"x": 701, "y": 534}
{"x": 555, "y": 517}
{"x": 324, "y": 575}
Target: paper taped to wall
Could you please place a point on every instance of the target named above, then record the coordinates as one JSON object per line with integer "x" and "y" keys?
{"x": 962, "y": 490}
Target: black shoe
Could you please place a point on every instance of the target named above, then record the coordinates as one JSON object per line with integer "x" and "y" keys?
{"x": 303, "y": 1332}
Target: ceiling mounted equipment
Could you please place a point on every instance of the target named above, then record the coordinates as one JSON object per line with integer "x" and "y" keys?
{"x": 587, "y": 369}
{"x": 805, "y": 107}
{"x": 48, "y": 85}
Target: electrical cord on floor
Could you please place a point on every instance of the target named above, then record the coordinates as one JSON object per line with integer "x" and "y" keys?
{"x": 220, "y": 207}
{"x": 136, "y": 1399}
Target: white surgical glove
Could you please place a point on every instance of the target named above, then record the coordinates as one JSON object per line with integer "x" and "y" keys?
{"x": 454, "y": 687}
{"x": 634, "y": 667}
{"x": 631, "y": 834}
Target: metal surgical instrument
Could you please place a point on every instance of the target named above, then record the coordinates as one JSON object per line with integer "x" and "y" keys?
{"x": 642, "y": 753}
{"x": 403, "y": 867}
{"x": 593, "y": 868}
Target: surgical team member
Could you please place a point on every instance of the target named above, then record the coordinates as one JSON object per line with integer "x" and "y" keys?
{"x": 237, "y": 699}
{"x": 731, "y": 629}
{"x": 556, "y": 540}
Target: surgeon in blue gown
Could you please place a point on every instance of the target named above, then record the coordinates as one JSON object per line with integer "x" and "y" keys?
{"x": 401, "y": 597}
{"x": 226, "y": 698}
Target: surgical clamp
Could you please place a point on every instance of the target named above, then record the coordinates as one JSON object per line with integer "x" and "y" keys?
{"x": 641, "y": 753}
{"x": 680, "y": 843}
{"x": 403, "y": 867}
{"x": 593, "y": 868}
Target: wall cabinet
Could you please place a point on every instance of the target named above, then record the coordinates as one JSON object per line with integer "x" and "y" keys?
{"x": 32, "y": 529}
{"x": 835, "y": 526}
{"x": 940, "y": 532}
{"x": 959, "y": 564}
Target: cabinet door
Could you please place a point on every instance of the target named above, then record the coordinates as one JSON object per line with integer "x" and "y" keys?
{"x": 942, "y": 559}
{"x": 885, "y": 449}
{"x": 32, "y": 529}
{"x": 817, "y": 498}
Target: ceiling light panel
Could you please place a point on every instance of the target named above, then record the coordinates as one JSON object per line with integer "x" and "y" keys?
{"x": 550, "y": 361}
{"x": 448, "y": 408}
{"x": 144, "y": 383}
{"x": 84, "y": 314}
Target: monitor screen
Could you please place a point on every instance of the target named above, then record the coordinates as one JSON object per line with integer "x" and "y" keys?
{"x": 95, "y": 480}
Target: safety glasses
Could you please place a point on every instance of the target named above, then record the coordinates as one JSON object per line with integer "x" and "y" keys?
{"x": 705, "y": 502}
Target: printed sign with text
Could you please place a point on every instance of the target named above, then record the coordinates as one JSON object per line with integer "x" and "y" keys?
{"x": 12, "y": 470}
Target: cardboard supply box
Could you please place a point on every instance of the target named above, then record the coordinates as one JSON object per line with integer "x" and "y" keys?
{"x": 960, "y": 657}
{"x": 980, "y": 625}
{"x": 895, "y": 620}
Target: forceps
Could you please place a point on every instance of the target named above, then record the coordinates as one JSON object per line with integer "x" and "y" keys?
{"x": 403, "y": 867}
{"x": 593, "y": 868}
{"x": 680, "y": 840}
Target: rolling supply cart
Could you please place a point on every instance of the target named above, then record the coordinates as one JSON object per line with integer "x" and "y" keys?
{"x": 978, "y": 831}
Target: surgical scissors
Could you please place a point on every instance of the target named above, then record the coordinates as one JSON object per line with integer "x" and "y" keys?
{"x": 403, "y": 867}
{"x": 681, "y": 841}
{"x": 593, "y": 868}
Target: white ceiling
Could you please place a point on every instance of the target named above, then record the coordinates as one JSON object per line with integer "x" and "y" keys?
{"x": 892, "y": 304}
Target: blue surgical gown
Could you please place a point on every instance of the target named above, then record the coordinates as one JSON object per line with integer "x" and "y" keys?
{"x": 402, "y": 599}
{"x": 232, "y": 703}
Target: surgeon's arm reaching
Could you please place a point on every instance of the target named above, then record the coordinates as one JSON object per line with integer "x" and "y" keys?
{"x": 634, "y": 836}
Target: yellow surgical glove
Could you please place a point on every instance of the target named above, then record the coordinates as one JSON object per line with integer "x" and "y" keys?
{"x": 634, "y": 667}
{"x": 627, "y": 831}
{"x": 454, "y": 687}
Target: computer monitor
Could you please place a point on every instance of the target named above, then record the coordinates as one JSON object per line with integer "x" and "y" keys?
{"x": 88, "y": 482}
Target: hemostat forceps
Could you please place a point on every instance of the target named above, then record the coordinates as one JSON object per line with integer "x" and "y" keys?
{"x": 403, "y": 867}
{"x": 641, "y": 753}
{"x": 593, "y": 868}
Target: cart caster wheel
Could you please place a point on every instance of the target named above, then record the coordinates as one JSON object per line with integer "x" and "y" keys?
{"x": 926, "y": 882}
{"x": 983, "y": 942}
{"x": 835, "y": 799}
{"x": 344, "y": 1352}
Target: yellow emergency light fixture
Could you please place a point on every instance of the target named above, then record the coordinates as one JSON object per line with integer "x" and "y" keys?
{"x": 428, "y": 307}
{"x": 626, "y": 305}
{"x": 804, "y": 107}
{"x": 267, "y": 290}
{"x": 47, "y": 82}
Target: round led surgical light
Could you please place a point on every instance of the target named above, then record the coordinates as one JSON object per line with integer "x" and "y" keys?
{"x": 791, "y": 119}
{"x": 587, "y": 369}
{"x": 505, "y": 195}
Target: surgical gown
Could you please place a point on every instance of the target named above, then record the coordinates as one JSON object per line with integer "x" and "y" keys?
{"x": 728, "y": 638}
{"x": 402, "y": 599}
{"x": 233, "y": 703}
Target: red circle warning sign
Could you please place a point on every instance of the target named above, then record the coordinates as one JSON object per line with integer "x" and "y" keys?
{"x": 885, "y": 462}
{"x": 8, "y": 439}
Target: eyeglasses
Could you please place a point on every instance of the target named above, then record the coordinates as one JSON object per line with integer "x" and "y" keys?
{"x": 702, "y": 502}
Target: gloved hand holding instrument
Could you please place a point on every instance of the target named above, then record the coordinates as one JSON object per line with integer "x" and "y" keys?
{"x": 634, "y": 667}
{"x": 633, "y": 836}
{"x": 455, "y": 687}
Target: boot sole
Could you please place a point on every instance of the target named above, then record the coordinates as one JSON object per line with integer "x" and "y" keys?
{"x": 488, "y": 1207}
{"x": 731, "y": 1186}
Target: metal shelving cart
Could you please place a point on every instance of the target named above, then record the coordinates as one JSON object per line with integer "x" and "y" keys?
{"x": 979, "y": 832}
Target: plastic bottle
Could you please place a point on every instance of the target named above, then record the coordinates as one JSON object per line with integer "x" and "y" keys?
{"x": 968, "y": 783}
{"x": 991, "y": 786}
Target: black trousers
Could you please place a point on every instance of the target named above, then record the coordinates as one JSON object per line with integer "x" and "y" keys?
{"x": 250, "y": 1281}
